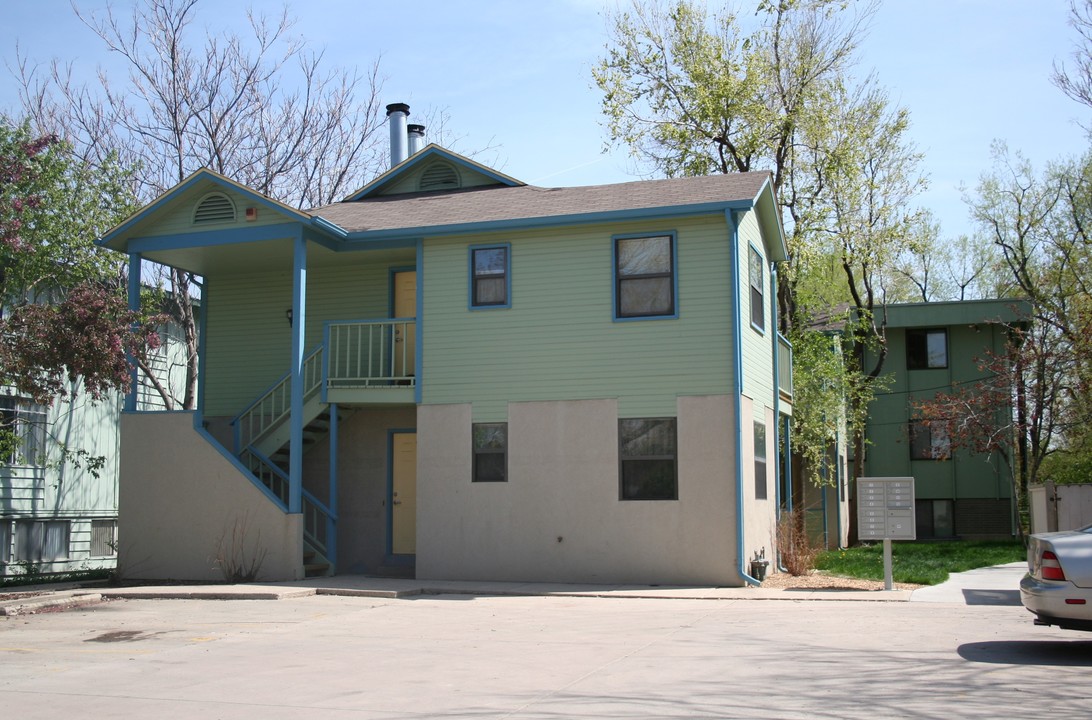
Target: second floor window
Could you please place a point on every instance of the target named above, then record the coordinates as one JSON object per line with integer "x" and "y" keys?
{"x": 756, "y": 271}
{"x": 644, "y": 272}
{"x": 926, "y": 349}
{"x": 489, "y": 277}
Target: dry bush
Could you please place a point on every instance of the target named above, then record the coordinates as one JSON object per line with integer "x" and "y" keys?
{"x": 798, "y": 553}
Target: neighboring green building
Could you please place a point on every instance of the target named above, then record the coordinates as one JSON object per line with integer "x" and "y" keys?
{"x": 454, "y": 374}
{"x": 931, "y": 348}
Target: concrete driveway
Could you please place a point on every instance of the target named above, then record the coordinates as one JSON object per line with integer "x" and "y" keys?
{"x": 540, "y": 657}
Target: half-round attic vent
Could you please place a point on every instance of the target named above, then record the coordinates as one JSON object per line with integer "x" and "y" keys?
{"x": 214, "y": 208}
{"x": 439, "y": 176}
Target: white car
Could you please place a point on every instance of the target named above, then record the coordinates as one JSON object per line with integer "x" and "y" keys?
{"x": 1058, "y": 586}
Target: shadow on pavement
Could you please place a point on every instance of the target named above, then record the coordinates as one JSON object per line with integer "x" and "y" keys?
{"x": 1029, "y": 652}
{"x": 991, "y": 597}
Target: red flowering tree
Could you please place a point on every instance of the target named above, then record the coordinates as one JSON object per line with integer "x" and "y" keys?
{"x": 65, "y": 317}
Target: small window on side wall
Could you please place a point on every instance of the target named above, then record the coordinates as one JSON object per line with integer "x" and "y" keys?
{"x": 926, "y": 349}
{"x": 644, "y": 277}
{"x": 761, "y": 483}
{"x": 756, "y": 273}
{"x": 490, "y": 452}
{"x": 648, "y": 459}
{"x": 489, "y": 270}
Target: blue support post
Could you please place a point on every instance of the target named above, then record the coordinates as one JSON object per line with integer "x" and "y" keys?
{"x": 299, "y": 323}
{"x": 134, "y": 306}
{"x": 331, "y": 528}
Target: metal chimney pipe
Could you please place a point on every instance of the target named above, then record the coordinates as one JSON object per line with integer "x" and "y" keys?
{"x": 398, "y": 113}
{"x": 416, "y": 138}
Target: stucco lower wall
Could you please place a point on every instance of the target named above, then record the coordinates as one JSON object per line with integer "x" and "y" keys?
{"x": 183, "y": 507}
{"x": 559, "y": 517}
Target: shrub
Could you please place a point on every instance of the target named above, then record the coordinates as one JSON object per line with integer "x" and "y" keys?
{"x": 798, "y": 553}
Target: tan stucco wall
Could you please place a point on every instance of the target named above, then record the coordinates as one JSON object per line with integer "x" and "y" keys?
{"x": 181, "y": 503}
{"x": 559, "y": 517}
{"x": 760, "y": 524}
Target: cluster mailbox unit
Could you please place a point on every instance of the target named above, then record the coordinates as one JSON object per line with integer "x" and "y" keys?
{"x": 885, "y": 511}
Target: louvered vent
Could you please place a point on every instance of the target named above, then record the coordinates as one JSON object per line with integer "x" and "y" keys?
{"x": 214, "y": 208}
{"x": 439, "y": 176}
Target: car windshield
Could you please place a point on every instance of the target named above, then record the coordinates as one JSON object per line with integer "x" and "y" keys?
{"x": 1086, "y": 529}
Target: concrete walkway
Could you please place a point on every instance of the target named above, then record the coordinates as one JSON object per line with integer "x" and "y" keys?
{"x": 986, "y": 586}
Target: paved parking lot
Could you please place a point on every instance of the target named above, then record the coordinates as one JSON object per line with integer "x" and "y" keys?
{"x": 540, "y": 657}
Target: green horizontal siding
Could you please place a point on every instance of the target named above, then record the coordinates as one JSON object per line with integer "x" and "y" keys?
{"x": 249, "y": 343}
{"x": 559, "y": 341}
{"x": 758, "y": 368}
{"x": 178, "y": 218}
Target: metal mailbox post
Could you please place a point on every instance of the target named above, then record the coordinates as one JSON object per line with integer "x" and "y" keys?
{"x": 885, "y": 511}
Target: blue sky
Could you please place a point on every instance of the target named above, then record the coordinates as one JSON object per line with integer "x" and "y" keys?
{"x": 516, "y": 75}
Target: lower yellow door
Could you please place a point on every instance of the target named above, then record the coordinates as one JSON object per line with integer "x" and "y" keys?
{"x": 405, "y": 336}
{"x": 404, "y": 493}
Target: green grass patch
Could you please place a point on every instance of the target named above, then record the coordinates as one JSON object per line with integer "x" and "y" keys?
{"x": 922, "y": 563}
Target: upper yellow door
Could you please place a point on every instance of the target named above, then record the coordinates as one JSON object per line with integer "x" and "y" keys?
{"x": 405, "y": 336}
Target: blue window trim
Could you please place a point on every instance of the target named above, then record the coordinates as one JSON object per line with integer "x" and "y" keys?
{"x": 673, "y": 235}
{"x": 760, "y": 329}
{"x": 507, "y": 276}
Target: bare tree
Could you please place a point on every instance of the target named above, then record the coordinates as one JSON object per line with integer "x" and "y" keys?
{"x": 260, "y": 109}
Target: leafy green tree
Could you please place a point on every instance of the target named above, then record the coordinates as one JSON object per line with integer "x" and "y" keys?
{"x": 693, "y": 94}
{"x": 64, "y": 317}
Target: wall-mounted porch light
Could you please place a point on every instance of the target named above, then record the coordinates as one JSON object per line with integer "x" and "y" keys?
{"x": 288, "y": 315}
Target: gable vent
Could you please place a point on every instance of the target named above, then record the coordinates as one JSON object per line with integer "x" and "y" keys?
{"x": 440, "y": 176}
{"x": 214, "y": 208}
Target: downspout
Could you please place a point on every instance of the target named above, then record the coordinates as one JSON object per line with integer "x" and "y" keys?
{"x": 782, "y": 464}
{"x": 737, "y": 324}
{"x": 295, "y": 418}
{"x": 839, "y": 480}
{"x": 134, "y": 307}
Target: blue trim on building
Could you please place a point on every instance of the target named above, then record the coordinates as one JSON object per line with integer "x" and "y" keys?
{"x": 203, "y": 175}
{"x": 134, "y": 307}
{"x": 207, "y": 238}
{"x": 674, "y": 315}
{"x": 331, "y": 540}
{"x": 737, "y": 332}
{"x": 507, "y": 246}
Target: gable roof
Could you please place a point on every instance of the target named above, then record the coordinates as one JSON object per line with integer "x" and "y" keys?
{"x": 506, "y": 207}
{"x": 429, "y": 154}
{"x": 198, "y": 183}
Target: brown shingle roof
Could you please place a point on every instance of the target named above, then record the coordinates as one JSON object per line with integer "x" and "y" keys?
{"x": 499, "y": 204}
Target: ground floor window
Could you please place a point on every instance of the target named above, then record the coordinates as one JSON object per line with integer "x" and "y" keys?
{"x": 5, "y": 541}
{"x": 761, "y": 483}
{"x": 41, "y": 541}
{"x": 935, "y": 519}
{"x": 104, "y": 538}
{"x": 648, "y": 459}
{"x": 490, "y": 452}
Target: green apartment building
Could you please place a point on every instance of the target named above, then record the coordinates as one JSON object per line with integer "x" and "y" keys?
{"x": 931, "y": 348}
{"x": 457, "y": 375}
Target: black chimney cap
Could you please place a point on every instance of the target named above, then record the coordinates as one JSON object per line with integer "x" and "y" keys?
{"x": 397, "y": 107}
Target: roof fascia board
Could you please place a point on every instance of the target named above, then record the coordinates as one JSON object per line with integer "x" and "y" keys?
{"x": 766, "y": 203}
{"x": 233, "y": 236}
{"x": 412, "y": 161}
{"x": 656, "y": 213}
{"x": 202, "y": 175}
